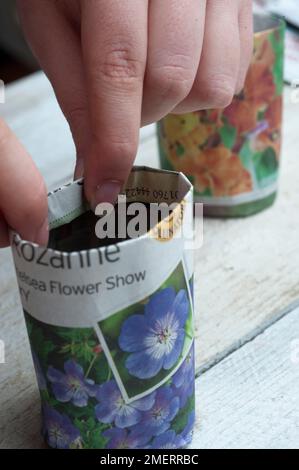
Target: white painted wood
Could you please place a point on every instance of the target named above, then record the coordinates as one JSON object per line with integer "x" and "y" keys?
{"x": 248, "y": 269}
{"x": 250, "y": 399}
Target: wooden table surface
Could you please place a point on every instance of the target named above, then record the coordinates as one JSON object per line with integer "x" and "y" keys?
{"x": 247, "y": 297}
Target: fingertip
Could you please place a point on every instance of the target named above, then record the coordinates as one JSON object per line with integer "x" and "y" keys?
{"x": 107, "y": 167}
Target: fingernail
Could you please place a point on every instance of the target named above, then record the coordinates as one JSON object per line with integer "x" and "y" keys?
{"x": 107, "y": 191}
{"x": 42, "y": 234}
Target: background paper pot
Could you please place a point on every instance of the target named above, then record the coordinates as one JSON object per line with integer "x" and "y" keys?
{"x": 110, "y": 325}
{"x": 232, "y": 155}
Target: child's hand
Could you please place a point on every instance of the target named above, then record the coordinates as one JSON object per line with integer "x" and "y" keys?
{"x": 23, "y": 197}
{"x": 119, "y": 64}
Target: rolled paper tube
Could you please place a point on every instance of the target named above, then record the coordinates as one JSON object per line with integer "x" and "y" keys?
{"x": 232, "y": 155}
{"x": 110, "y": 322}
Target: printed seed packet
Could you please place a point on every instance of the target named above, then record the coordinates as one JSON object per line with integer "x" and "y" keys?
{"x": 232, "y": 155}
{"x": 110, "y": 322}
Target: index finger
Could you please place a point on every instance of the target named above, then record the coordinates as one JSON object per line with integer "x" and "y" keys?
{"x": 114, "y": 42}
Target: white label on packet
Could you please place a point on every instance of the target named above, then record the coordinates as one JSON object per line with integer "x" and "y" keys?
{"x": 78, "y": 290}
{"x": 83, "y": 289}
{"x": 252, "y": 196}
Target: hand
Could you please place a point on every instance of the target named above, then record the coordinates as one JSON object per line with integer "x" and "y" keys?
{"x": 116, "y": 65}
{"x": 23, "y": 196}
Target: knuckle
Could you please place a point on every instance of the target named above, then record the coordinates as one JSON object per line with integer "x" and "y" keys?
{"x": 172, "y": 81}
{"x": 218, "y": 91}
{"x": 223, "y": 97}
{"x": 119, "y": 64}
{"x": 120, "y": 151}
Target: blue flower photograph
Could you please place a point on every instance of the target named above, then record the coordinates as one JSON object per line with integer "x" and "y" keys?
{"x": 152, "y": 349}
{"x": 148, "y": 340}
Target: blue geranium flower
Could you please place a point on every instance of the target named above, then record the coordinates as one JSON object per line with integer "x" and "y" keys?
{"x": 187, "y": 433}
{"x": 171, "y": 440}
{"x": 123, "y": 439}
{"x": 112, "y": 408}
{"x": 71, "y": 386}
{"x": 167, "y": 440}
{"x": 158, "y": 418}
{"x": 58, "y": 428}
{"x": 41, "y": 380}
{"x": 183, "y": 379}
{"x": 155, "y": 339}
